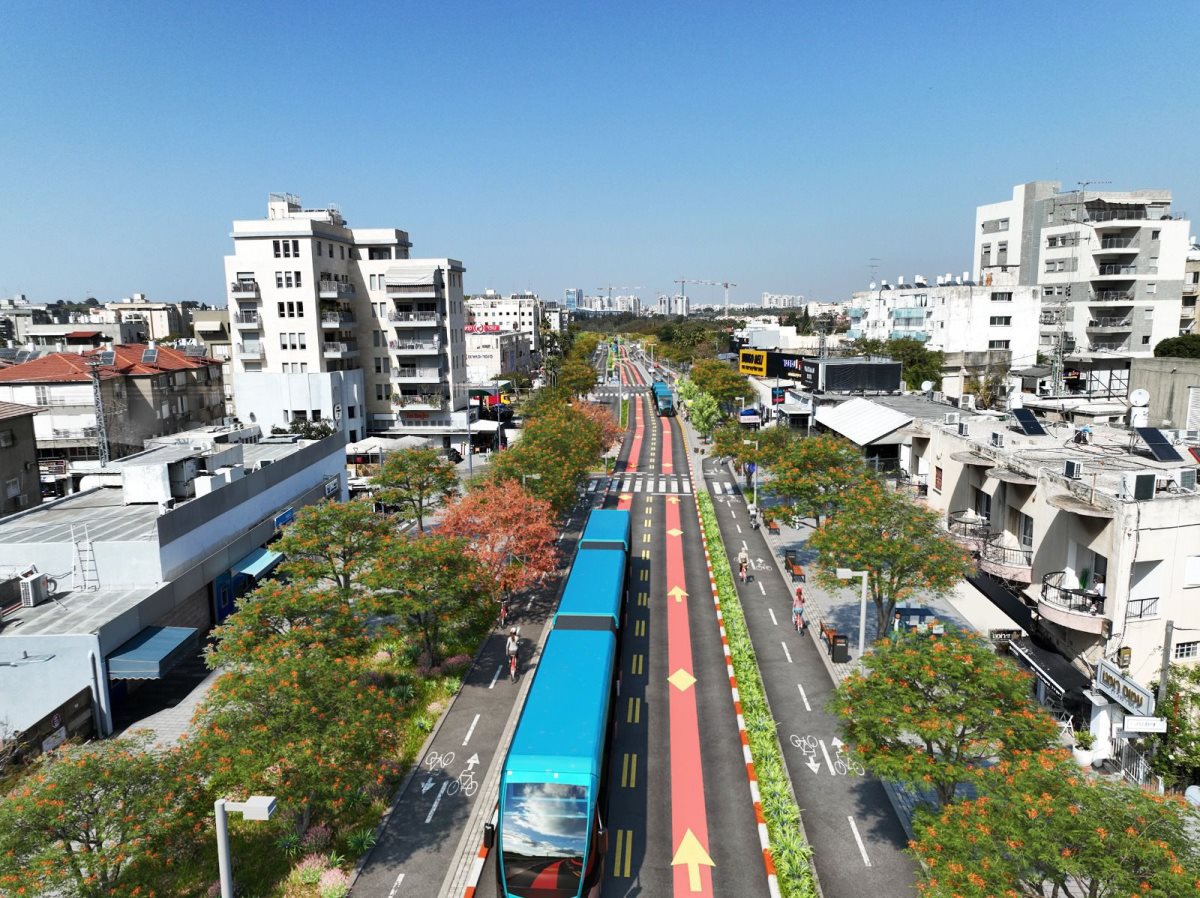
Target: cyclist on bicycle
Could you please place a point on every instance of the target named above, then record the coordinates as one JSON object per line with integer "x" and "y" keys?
{"x": 798, "y": 610}
{"x": 743, "y": 562}
{"x": 512, "y": 646}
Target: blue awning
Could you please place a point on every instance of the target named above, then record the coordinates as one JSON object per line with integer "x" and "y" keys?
{"x": 258, "y": 563}
{"x": 153, "y": 652}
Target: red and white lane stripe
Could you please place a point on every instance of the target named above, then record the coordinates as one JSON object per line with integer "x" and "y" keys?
{"x": 476, "y": 871}
{"x": 764, "y": 838}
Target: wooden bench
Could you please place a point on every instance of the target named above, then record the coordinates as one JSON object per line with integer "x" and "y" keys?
{"x": 827, "y": 634}
{"x": 796, "y": 570}
{"x": 773, "y": 526}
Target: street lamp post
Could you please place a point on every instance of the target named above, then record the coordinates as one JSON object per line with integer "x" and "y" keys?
{"x": 525, "y": 477}
{"x": 755, "y": 475}
{"x": 256, "y": 807}
{"x": 844, "y": 573}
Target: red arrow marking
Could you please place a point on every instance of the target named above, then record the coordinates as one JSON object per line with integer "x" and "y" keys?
{"x": 668, "y": 465}
{"x": 687, "y": 775}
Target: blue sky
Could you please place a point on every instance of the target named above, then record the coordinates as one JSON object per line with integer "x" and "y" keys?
{"x": 554, "y": 145}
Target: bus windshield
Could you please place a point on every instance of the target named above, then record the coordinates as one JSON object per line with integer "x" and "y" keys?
{"x": 543, "y": 836}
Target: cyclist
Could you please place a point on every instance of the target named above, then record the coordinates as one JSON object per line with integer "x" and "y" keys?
{"x": 503, "y": 613}
{"x": 798, "y": 620}
{"x": 512, "y": 647}
{"x": 743, "y": 561}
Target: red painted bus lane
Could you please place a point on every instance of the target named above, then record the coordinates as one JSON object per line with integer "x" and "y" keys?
{"x": 689, "y": 819}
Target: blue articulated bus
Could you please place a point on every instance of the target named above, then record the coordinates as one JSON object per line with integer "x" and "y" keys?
{"x": 663, "y": 400}
{"x": 553, "y": 790}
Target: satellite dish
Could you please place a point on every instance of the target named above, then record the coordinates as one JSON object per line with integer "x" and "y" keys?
{"x": 1139, "y": 398}
{"x": 926, "y": 386}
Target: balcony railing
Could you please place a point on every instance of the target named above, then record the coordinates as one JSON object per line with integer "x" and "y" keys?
{"x": 244, "y": 289}
{"x": 1107, "y": 243}
{"x": 1112, "y": 296}
{"x": 338, "y": 321}
{"x": 1075, "y": 608}
{"x": 968, "y": 524}
{"x": 413, "y": 317}
{"x": 1013, "y": 563}
{"x": 1114, "y": 323}
{"x": 338, "y": 350}
{"x": 245, "y": 318}
{"x": 425, "y": 400}
{"x": 415, "y": 345}
{"x": 1116, "y": 214}
{"x": 250, "y": 350}
{"x": 1109, "y": 270}
{"x": 335, "y": 290}
{"x": 82, "y": 433}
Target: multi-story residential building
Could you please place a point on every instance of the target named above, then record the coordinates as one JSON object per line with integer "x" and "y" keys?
{"x": 520, "y": 312}
{"x": 557, "y": 318}
{"x": 492, "y": 352}
{"x": 1191, "y": 289}
{"x": 211, "y": 330}
{"x": 159, "y": 320}
{"x": 572, "y": 298}
{"x": 338, "y": 324}
{"x": 18, "y": 458}
{"x": 143, "y": 390}
{"x": 783, "y": 301}
{"x": 1110, "y": 264}
{"x": 149, "y": 555}
{"x": 80, "y": 333}
{"x": 1096, "y": 530}
{"x": 679, "y": 304}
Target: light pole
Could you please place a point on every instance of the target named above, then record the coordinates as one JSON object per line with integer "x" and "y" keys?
{"x": 525, "y": 477}
{"x": 844, "y": 573}
{"x": 256, "y": 807}
{"x": 755, "y": 475}
{"x": 470, "y": 448}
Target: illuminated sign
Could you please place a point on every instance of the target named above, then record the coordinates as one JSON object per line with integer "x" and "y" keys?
{"x": 1128, "y": 694}
{"x": 752, "y": 362}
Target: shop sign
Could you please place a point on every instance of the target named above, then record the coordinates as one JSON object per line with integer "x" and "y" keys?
{"x": 1003, "y": 637}
{"x": 284, "y": 517}
{"x": 1124, "y": 691}
{"x": 1134, "y": 724}
{"x": 332, "y": 486}
{"x": 752, "y": 362}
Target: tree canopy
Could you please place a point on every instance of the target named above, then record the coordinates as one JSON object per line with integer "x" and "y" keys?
{"x": 1186, "y": 346}
{"x": 331, "y": 543}
{"x": 704, "y": 414}
{"x": 417, "y": 479}
{"x": 816, "y": 476}
{"x": 720, "y": 381}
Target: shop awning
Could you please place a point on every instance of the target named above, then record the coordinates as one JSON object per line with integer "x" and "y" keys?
{"x": 258, "y": 563}
{"x": 484, "y": 426}
{"x": 1050, "y": 667}
{"x": 152, "y": 653}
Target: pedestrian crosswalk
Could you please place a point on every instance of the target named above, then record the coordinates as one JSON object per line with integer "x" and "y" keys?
{"x": 722, "y": 488}
{"x": 643, "y": 483}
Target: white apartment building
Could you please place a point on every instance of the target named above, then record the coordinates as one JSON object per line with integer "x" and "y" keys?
{"x": 520, "y": 312}
{"x": 492, "y": 352}
{"x": 1110, "y": 264}
{"x": 572, "y": 298}
{"x": 951, "y": 317}
{"x": 339, "y": 324}
{"x": 679, "y": 304}
{"x": 159, "y": 320}
{"x": 783, "y": 301}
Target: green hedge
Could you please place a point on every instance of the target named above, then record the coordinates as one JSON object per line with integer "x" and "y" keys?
{"x": 791, "y": 852}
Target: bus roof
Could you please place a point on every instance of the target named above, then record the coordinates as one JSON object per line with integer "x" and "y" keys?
{"x": 560, "y": 736}
{"x": 595, "y": 586}
{"x": 606, "y": 528}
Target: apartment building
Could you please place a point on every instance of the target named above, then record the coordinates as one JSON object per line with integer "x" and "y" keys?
{"x": 158, "y": 320}
{"x": 1191, "y": 290}
{"x": 211, "y": 330}
{"x": 338, "y": 324}
{"x": 18, "y": 458}
{"x": 492, "y": 352}
{"x": 1110, "y": 264}
{"x": 520, "y": 312}
{"x": 118, "y": 583}
{"x": 143, "y": 391}
{"x": 783, "y": 301}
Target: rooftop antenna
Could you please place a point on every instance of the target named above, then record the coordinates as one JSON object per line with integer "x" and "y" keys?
{"x": 94, "y": 364}
{"x": 873, "y": 265}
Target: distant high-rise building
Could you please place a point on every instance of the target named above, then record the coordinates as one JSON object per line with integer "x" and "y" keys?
{"x": 572, "y": 298}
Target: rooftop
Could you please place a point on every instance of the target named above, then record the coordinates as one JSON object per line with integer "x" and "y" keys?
{"x": 16, "y": 410}
{"x": 127, "y": 360}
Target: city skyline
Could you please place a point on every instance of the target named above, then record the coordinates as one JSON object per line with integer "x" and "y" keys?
{"x": 783, "y": 151}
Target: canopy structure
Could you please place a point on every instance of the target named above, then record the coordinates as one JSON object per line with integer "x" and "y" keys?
{"x": 258, "y": 563}
{"x": 152, "y": 653}
{"x": 862, "y": 421}
{"x": 1051, "y": 668}
{"x": 414, "y": 274}
{"x": 383, "y": 445}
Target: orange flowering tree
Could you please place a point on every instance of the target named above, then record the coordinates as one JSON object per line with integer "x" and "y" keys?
{"x": 309, "y": 729}
{"x": 900, "y": 545}
{"x": 576, "y": 376}
{"x": 419, "y": 479}
{"x": 930, "y": 710}
{"x": 814, "y": 477}
{"x": 104, "y": 819}
{"x": 431, "y": 583}
{"x": 510, "y": 534}
{"x": 332, "y": 543}
{"x": 720, "y": 381}
{"x": 1038, "y": 827}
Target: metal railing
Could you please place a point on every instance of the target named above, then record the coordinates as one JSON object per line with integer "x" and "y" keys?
{"x": 1010, "y": 556}
{"x": 338, "y": 320}
{"x": 339, "y": 347}
{"x": 413, "y": 316}
{"x": 1111, "y": 269}
{"x": 430, "y": 400}
{"x": 337, "y": 288}
{"x": 244, "y": 287}
{"x": 1112, "y": 296}
{"x": 250, "y": 349}
{"x": 84, "y": 433}
{"x": 414, "y": 345}
{"x": 968, "y": 524}
{"x": 1110, "y": 322}
{"x": 1078, "y": 600}
{"x": 245, "y": 317}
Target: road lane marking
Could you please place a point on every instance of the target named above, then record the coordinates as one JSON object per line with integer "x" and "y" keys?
{"x": 786, "y": 652}
{"x": 645, "y": 537}
{"x": 645, "y": 575}
{"x": 633, "y": 713}
{"x": 437, "y": 801}
{"x": 396, "y": 885}
{"x": 771, "y": 611}
{"x": 635, "y": 668}
{"x": 645, "y": 555}
{"x": 762, "y": 588}
{"x": 807, "y": 707}
{"x": 862, "y": 849}
{"x": 828, "y": 763}
{"x": 495, "y": 677}
{"x": 471, "y": 729}
{"x": 739, "y": 527}
{"x": 621, "y": 859}
{"x": 639, "y": 628}
{"x": 629, "y": 770}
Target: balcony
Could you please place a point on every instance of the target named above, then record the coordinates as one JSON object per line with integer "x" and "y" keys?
{"x": 244, "y": 319}
{"x": 410, "y": 319}
{"x": 249, "y": 351}
{"x": 415, "y": 347}
{"x": 432, "y": 291}
{"x": 1013, "y": 563}
{"x": 1119, "y": 296}
{"x": 1075, "y": 609}
{"x": 919, "y": 336}
{"x": 1116, "y": 245}
{"x": 1109, "y": 324}
{"x": 968, "y": 527}
{"x": 339, "y": 350}
{"x": 335, "y": 290}
{"x": 431, "y": 401}
{"x": 916, "y": 313}
{"x": 244, "y": 290}
{"x": 338, "y": 321}
{"x": 81, "y": 433}
{"x": 413, "y": 375}
{"x": 1116, "y": 270}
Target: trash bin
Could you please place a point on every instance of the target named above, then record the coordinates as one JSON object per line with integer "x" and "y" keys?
{"x": 839, "y": 649}
{"x": 789, "y": 556}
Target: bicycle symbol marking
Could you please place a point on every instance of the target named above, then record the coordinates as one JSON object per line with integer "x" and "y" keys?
{"x": 438, "y": 761}
{"x": 466, "y": 782}
{"x": 842, "y": 762}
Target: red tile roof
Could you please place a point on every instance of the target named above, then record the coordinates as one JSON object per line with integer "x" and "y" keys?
{"x": 82, "y": 335}
{"x": 69, "y": 367}
{"x": 16, "y": 410}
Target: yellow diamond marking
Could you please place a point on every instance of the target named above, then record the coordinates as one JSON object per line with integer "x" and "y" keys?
{"x": 681, "y": 680}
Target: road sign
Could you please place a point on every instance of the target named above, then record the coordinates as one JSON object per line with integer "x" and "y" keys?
{"x": 1135, "y": 724}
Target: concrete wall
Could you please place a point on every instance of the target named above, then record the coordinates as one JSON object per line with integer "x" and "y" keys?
{"x": 1168, "y": 382}
{"x": 20, "y": 479}
{"x": 267, "y": 398}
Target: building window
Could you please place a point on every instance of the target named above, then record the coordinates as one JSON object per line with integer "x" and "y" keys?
{"x": 1154, "y": 235}
{"x": 283, "y": 341}
{"x": 1025, "y": 530}
{"x": 1145, "y": 341}
{"x": 298, "y": 284}
{"x": 998, "y": 344}
{"x": 302, "y": 339}
{"x": 299, "y": 310}
{"x": 303, "y": 367}
{"x": 281, "y": 306}
{"x": 278, "y": 252}
{"x": 1151, "y": 288}
{"x": 1140, "y": 609}
{"x": 287, "y": 279}
{"x": 7, "y": 438}
{"x": 318, "y": 252}
{"x": 1185, "y": 650}
{"x": 279, "y": 279}
{"x": 937, "y": 479}
{"x": 1000, "y": 321}
{"x": 1002, "y": 297}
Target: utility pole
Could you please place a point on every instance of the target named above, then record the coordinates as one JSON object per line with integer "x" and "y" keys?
{"x": 1166, "y": 664}
{"x": 98, "y": 403}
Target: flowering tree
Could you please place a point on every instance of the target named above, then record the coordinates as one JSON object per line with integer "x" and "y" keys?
{"x": 1177, "y": 758}
{"x": 431, "y": 583}
{"x": 332, "y": 542}
{"x": 577, "y": 376}
{"x": 930, "y": 710}
{"x": 900, "y": 545}
{"x": 1038, "y": 828}
{"x": 508, "y": 532}
{"x": 96, "y": 820}
{"x": 815, "y": 476}
{"x": 719, "y": 381}
{"x": 419, "y": 479}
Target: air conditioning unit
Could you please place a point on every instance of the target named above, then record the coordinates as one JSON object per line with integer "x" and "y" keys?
{"x": 1185, "y": 479}
{"x": 1073, "y": 470}
{"x": 997, "y": 441}
{"x": 1139, "y": 487}
{"x": 951, "y": 418}
{"x": 964, "y": 429}
{"x": 34, "y": 590}
{"x": 1191, "y": 436}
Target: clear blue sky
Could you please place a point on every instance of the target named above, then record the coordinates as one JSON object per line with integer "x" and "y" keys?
{"x": 554, "y": 145}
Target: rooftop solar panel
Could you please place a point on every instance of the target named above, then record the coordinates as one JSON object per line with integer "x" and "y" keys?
{"x": 23, "y": 355}
{"x": 1030, "y": 426}
{"x": 107, "y": 358}
{"x": 1160, "y": 447}
{"x": 195, "y": 351}
{"x": 149, "y": 356}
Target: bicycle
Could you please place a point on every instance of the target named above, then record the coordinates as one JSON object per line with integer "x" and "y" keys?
{"x": 465, "y": 782}
{"x": 503, "y": 615}
{"x": 436, "y": 760}
{"x": 512, "y": 667}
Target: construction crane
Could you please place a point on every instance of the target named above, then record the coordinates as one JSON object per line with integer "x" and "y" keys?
{"x": 611, "y": 287}
{"x": 725, "y": 284}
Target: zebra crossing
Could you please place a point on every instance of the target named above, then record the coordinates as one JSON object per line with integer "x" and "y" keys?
{"x": 722, "y": 488}
{"x": 653, "y": 484}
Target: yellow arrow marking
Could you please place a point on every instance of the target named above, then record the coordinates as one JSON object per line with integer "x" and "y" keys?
{"x": 677, "y": 593}
{"x": 692, "y": 853}
{"x": 674, "y": 500}
{"x": 681, "y": 680}
{"x": 674, "y": 532}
